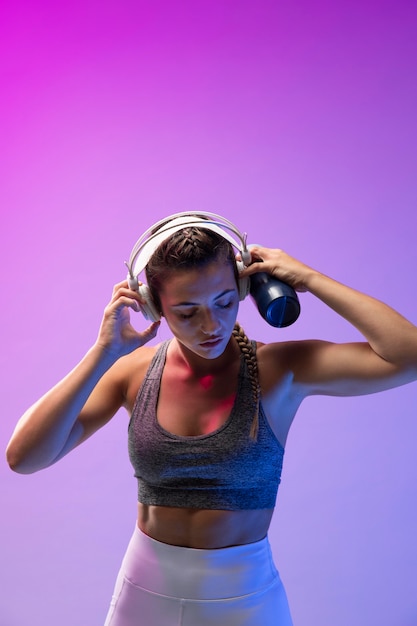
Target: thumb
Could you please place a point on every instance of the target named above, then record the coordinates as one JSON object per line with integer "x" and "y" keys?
{"x": 150, "y": 332}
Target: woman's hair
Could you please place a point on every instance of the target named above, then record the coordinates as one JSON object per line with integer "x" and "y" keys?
{"x": 249, "y": 354}
{"x": 188, "y": 248}
{"x": 192, "y": 248}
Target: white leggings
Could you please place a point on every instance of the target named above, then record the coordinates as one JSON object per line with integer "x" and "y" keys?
{"x": 164, "y": 585}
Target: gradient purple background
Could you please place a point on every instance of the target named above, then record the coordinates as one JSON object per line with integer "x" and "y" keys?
{"x": 297, "y": 121}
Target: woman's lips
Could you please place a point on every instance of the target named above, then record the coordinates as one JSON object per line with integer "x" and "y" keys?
{"x": 210, "y": 343}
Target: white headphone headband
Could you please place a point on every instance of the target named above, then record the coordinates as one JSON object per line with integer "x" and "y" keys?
{"x": 159, "y": 232}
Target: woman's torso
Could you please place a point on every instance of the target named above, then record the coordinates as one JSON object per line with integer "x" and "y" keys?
{"x": 183, "y": 396}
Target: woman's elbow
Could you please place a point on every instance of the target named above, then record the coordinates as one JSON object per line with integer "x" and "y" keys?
{"x": 19, "y": 462}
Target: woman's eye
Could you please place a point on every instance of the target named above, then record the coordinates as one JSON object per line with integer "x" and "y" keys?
{"x": 226, "y": 305}
{"x": 186, "y": 316}
{"x": 193, "y": 312}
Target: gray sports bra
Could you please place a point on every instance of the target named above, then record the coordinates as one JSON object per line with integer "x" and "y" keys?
{"x": 224, "y": 469}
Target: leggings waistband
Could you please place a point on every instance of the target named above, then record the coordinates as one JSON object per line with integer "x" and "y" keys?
{"x": 198, "y": 574}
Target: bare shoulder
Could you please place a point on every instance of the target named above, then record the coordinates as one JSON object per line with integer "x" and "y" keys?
{"x": 290, "y": 360}
{"x": 131, "y": 370}
{"x": 119, "y": 385}
{"x": 277, "y": 359}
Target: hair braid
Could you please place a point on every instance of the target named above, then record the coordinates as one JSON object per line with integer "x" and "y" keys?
{"x": 189, "y": 241}
{"x": 249, "y": 355}
{"x": 188, "y": 248}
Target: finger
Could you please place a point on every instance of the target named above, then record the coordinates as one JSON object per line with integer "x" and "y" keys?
{"x": 123, "y": 284}
{"x": 253, "y": 268}
{"x": 124, "y": 287}
{"x": 123, "y": 291}
{"x": 124, "y": 301}
{"x": 151, "y": 331}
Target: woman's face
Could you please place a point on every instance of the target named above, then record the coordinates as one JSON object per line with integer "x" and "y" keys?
{"x": 200, "y": 306}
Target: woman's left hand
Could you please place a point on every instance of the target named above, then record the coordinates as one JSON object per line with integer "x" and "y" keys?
{"x": 279, "y": 264}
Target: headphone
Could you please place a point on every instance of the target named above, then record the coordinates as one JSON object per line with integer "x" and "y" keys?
{"x": 162, "y": 230}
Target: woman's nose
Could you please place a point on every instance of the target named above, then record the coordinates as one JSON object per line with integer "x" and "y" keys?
{"x": 209, "y": 323}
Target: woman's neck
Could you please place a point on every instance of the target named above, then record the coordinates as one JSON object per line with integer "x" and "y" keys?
{"x": 197, "y": 366}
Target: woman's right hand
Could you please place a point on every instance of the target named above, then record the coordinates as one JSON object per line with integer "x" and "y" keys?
{"x": 85, "y": 399}
{"x": 117, "y": 335}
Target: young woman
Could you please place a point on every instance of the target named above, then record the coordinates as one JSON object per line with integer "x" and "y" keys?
{"x": 210, "y": 413}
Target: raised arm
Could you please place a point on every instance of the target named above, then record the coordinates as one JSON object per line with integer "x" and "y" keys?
{"x": 386, "y": 359}
{"x": 86, "y": 398}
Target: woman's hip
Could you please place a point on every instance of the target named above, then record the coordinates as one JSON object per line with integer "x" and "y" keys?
{"x": 163, "y": 585}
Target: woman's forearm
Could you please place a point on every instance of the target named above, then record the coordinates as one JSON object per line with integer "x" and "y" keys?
{"x": 50, "y": 425}
{"x": 389, "y": 334}
{"x": 54, "y": 424}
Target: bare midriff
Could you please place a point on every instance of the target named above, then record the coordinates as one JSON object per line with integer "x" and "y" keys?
{"x": 205, "y": 529}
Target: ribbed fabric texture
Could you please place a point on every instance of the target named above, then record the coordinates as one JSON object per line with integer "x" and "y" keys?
{"x": 225, "y": 469}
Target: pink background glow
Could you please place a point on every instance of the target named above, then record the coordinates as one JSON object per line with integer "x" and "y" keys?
{"x": 295, "y": 120}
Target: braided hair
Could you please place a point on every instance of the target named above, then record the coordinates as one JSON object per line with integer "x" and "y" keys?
{"x": 249, "y": 355}
{"x": 188, "y": 248}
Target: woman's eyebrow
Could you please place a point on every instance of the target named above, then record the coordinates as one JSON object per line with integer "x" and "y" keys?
{"x": 187, "y": 303}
